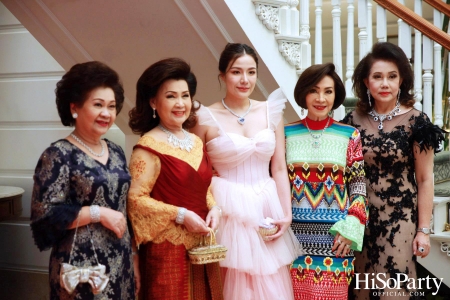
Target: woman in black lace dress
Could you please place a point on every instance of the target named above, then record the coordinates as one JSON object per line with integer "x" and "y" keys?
{"x": 398, "y": 147}
{"x": 83, "y": 180}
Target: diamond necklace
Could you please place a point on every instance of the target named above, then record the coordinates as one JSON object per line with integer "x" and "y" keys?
{"x": 184, "y": 144}
{"x": 87, "y": 147}
{"x": 241, "y": 119}
{"x": 380, "y": 117}
{"x": 316, "y": 137}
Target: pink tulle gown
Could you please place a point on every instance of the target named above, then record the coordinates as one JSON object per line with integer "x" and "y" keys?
{"x": 255, "y": 270}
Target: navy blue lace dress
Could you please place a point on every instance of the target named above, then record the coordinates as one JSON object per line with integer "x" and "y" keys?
{"x": 66, "y": 179}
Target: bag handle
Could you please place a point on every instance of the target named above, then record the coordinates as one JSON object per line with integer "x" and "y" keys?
{"x": 75, "y": 237}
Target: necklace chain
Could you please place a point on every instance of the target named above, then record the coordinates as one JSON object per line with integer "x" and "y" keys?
{"x": 87, "y": 147}
{"x": 380, "y": 117}
{"x": 241, "y": 119}
{"x": 184, "y": 144}
{"x": 316, "y": 137}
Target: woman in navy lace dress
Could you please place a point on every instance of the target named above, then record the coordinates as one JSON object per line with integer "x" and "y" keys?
{"x": 83, "y": 180}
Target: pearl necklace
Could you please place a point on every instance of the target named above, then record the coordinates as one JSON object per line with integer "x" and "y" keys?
{"x": 184, "y": 144}
{"x": 241, "y": 119}
{"x": 316, "y": 138}
{"x": 87, "y": 147}
{"x": 380, "y": 117}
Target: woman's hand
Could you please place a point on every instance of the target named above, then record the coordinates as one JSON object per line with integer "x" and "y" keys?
{"x": 194, "y": 223}
{"x": 421, "y": 241}
{"x": 213, "y": 218}
{"x": 283, "y": 225}
{"x": 113, "y": 220}
{"x": 341, "y": 245}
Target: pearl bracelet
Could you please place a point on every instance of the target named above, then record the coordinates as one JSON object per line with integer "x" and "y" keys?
{"x": 218, "y": 207}
{"x": 94, "y": 210}
{"x": 180, "y": 215}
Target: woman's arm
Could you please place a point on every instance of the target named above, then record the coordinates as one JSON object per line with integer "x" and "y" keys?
{"x": 280, "y": 176}
{"x": 423, "y": 163}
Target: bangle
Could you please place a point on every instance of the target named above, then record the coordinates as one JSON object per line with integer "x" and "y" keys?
{"x": 180, "y": 215}
{"x": 218, "y": 207}
{"x": 94, "y": 210}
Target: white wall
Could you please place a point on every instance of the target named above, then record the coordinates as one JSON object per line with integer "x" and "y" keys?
{"x": 29, "y": 122}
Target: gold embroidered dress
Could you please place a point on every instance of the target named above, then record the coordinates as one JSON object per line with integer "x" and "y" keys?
{"x": 181, "y": 179}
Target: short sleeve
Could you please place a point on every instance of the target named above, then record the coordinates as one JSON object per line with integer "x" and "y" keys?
{"x": 426, "y": 134}
{"x": 204, "y": 116}
{"x": 276, "y": 104}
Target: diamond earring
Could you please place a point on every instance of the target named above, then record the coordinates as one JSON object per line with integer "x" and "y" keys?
{"x": 74, "y": 115}
{"x": 368, "y": 96}
{"x": 398, "y": 95}
{"x": 154, "y": 113}
{"x": 302, "y": 111}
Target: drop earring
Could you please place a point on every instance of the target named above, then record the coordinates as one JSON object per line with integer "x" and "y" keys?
{"x": 368, "y": 96}
{"x": 302, "y": 111}
{"x": 331, "y": 113}
{"x": 154, "y": 113}
{"x": 398, "y": 95}
{"x": 74, "y": 115}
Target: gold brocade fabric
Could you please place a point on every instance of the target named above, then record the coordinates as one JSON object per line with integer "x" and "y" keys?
{"x": 154, "y": 220}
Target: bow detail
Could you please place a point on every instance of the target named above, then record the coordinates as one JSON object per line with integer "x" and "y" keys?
{"x": 70, "y": 276}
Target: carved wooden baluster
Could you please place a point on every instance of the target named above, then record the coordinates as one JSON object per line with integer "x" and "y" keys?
{"x": 418, "y": 60}
{"x": 318, "y": 36}
{"x": 381, "y": 24}
{"x": 427, "y": 76}
{"x": 350, "y": 48}
{"x": 369, "y": 24}
{"x": 362, "y": 25}
{"x": 438, "y": 117}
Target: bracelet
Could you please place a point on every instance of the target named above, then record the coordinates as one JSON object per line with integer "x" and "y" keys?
{"x": 180, "y": 215}
{"x": 218, "y": 207}
{"x": 94, "y": 210}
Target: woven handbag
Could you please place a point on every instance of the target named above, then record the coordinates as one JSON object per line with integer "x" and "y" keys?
{"x": 207, "y": 253}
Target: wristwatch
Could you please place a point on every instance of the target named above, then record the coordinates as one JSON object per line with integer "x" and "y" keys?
{"x": 424, "y": 230}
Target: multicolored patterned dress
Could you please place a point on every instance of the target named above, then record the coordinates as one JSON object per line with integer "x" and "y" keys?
{"x": 328, "y": 197}
{"x": 181, "y": 179}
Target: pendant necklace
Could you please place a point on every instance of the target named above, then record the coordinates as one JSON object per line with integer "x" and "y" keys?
{"x": 380, "y": 117}
{"x": 241, "y": 119}
{"x": 87, "y": 147}
{"x": 316, "y": 137}
{"x": 184, "y": 144}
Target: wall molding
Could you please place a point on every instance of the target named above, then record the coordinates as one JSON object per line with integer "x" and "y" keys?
{"x": 31, "y": 76}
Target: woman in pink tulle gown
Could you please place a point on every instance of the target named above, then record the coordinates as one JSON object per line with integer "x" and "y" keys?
{"x": 243, "y": 137}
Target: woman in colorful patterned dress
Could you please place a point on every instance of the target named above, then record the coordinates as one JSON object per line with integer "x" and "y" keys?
{"x": 243, "y": 138}
{"x": 170, "y": 205}
{"x": 82, "y": 181}
{"x": 398, "y": 147}
{"x": 328, "y": 190}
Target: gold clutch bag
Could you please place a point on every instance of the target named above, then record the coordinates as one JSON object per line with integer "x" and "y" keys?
{"x": 207, "y": 253}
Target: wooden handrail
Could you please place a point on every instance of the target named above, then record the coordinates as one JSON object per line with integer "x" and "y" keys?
{"x": 440, "y": 6}
{"x": 416, "y": 21}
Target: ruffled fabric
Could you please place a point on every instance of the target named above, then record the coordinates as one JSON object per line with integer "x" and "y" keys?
{"x": 276, "y": 105}
{"x": 352, "y": 229}
{"x": 426, "y": 134}
{"x": 247, "y": 194}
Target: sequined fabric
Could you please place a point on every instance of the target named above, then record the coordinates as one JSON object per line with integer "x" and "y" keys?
{"x": 392, "y": 193}
{"x": 66, "y": 179}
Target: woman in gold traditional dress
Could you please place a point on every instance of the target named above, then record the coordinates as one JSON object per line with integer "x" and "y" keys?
{"x": 170, "y": 204}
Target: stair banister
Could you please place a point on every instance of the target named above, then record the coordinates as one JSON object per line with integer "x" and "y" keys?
{"x": 440, "y": 6}
{"x": 438, "y": 118}
{"x": 381, "y": 24}
{"x": 418, "y": 59}
{"x": 350, "y": 48}
{"x": 318, "y": 33}
{"x": 362, "y": 25}
{"x": 369, "y": 23}
{"x": 427, "y": 76}
{"x": 404, "y": 35}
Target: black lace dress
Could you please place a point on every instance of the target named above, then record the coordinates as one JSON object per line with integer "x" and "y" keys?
{"x": 392, "y": 195}
{"x": 66, "y": 179}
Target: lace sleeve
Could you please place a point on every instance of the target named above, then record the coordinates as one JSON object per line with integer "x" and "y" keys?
{"x": 426, "y": 134}
{"x": 52, "y": 209}
{"x": 149, "y": 217}
{"x": 276, "y": 105}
